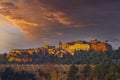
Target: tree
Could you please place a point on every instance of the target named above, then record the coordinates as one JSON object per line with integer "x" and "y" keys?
{"x": 72, "y": 73}
{"x": 86, "y": 71}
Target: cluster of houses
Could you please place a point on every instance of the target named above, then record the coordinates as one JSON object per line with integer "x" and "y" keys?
{"x": 64, "y": 48}
{"x": 94, "y": 45}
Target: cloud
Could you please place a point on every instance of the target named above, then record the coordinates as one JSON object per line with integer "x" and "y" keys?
{"x": 43, "y": 20}
{"x": 36, "y": 19}
{"x": 8, "y": 5}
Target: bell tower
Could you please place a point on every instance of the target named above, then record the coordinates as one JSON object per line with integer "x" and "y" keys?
{"x": 60, "y": 45}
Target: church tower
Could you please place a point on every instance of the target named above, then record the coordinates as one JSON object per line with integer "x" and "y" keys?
{"x": 60, "y": 45}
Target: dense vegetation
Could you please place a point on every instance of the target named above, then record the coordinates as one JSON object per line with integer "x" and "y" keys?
{"x": 80, "y": 57}
{"x": 103, "y": 71}
{"x": 10, "y": 74}
{"x": 99, "y": 66}
{"x": 106, "y": 70}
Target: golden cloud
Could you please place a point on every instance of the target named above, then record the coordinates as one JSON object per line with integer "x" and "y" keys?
{"x": 36, "y": 20}
{"x": 49, "y": 20}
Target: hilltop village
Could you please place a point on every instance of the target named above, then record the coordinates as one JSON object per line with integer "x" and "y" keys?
{"x": 63, "y": 49}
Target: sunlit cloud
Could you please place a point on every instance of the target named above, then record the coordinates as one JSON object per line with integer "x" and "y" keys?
{"x": 46, "y": 21}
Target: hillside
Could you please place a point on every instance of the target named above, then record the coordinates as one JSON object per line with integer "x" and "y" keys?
{"x": 78, "y": 52}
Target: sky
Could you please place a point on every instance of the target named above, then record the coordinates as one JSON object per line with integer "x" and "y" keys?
{"x": 34, "y": 23}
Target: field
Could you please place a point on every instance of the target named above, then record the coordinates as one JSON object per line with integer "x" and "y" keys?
{"x": 36, "y": 67}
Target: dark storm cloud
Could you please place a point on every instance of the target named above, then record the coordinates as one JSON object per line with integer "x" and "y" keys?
{"x": 8, "y": 4}
{"x": 64, "y": 19}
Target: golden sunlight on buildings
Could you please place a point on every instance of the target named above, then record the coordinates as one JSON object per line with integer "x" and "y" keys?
{"x": 30, "y": 51}
{"x": 100, "y": 46}
{"x": 78, "y": 47}
{"x": 63, "y": 49}
{"x": 71, "y": 47}
{"x": 94, "y": 45}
